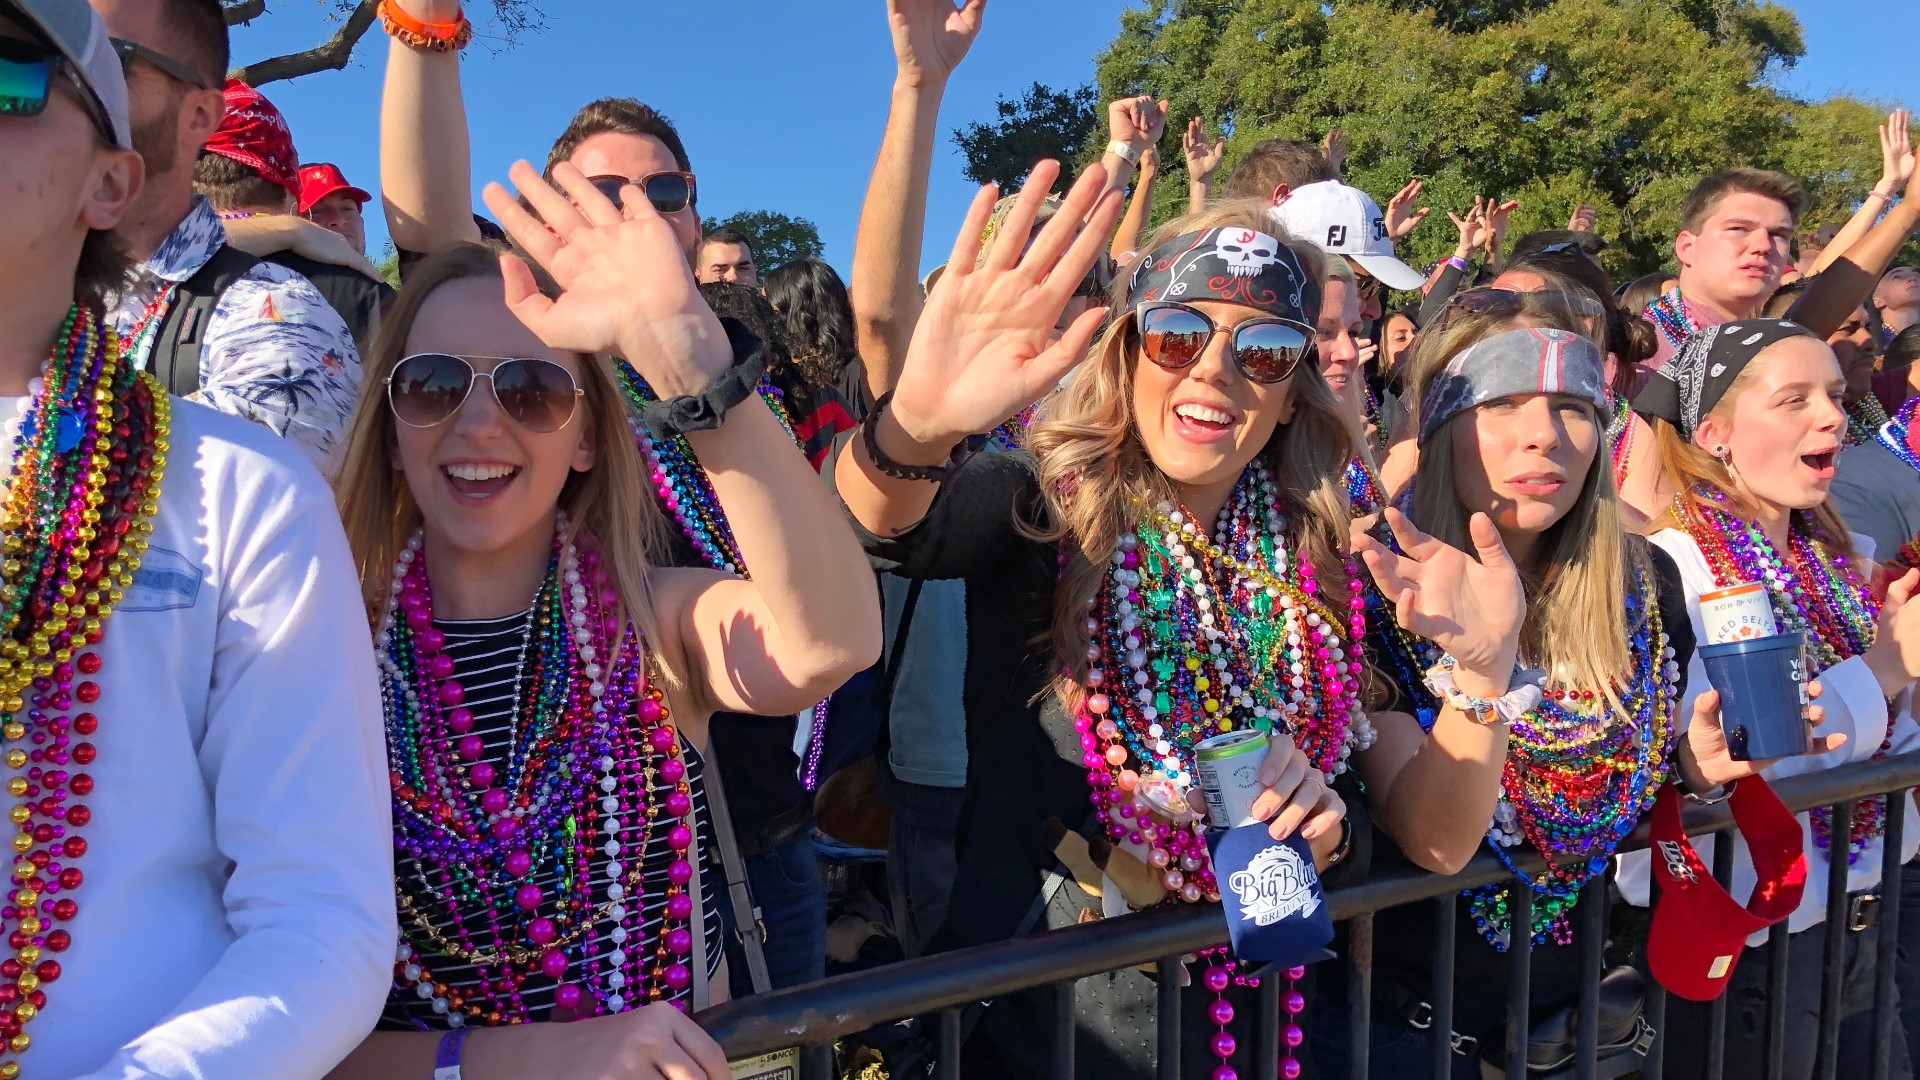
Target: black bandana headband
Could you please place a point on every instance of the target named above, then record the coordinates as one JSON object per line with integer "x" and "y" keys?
{"x": 1233, "y": 266}
{"x": 1687, "y": 387}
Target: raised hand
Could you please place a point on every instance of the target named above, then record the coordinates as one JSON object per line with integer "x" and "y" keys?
{"x": 1707, "y": 739}
{"x": 1203, "y": 153}
{"x": 1296, "y": 795}
{"x": 983, "y": 348}
{"x": 931, "y": 37}
{"x": 1496, "y": 217}
{"x": 1401, "y": 216}
{"x": 627, "y": 287}
{"x": 1473, "y": 227}
{"x": 1470, "y": 607}
{"x": 1896, "y": 152}
{"x": 1582, "y": 219}
{"x": 1335, "y": 146}
{"x": 1137, "y": 121}
{"x": 1894, "y": 656}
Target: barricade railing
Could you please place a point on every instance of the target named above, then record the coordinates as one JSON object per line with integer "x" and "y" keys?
{"x": 813, "y": 1017}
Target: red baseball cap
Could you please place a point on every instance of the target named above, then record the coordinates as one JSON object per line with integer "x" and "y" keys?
{"x": 1699, "y": 929}
{"x": 319, "y": 181}
{"x": 254, "y": 133}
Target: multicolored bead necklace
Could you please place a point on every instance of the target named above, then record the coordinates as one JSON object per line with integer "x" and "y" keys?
{"x": 678, "y": 480}
{"x": 1578, "y": 774}
{"x": 1578, "y": 778}
{"x": 495, "y": 864}
{"x": 1813, "y": 590}
{"x": 1669, "y": 312}
{"x": 1620, "y": 441}
{"x": 1900, "y": 436}
{"x": 84, "y": 487}
{"x": 1190, "y": 638}
{"x": 1364, "y": 495}
{"x": 1865, "y": 418}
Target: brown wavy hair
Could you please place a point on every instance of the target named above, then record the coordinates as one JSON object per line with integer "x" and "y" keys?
{"x": 1095, "y": 471}
{"x": 609, "y": 501}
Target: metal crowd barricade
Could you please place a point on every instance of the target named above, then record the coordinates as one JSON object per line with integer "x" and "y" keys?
{"x": 939, "y": 987}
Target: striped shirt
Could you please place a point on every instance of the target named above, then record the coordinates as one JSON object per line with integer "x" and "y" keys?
{"x": 493, "y": 664}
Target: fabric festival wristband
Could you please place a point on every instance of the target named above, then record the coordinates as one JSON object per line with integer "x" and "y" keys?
{"x": 1523, "y": 694}
{"x": 1457, "y": 263}
{"x": 446, "y": 1061}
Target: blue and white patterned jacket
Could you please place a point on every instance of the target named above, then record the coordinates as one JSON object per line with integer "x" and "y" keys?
{"x": 273, "y": 351}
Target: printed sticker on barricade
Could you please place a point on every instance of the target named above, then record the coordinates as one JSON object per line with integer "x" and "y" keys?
{"x": 1275, "y": 910}
{"x": 779, "y": 1065}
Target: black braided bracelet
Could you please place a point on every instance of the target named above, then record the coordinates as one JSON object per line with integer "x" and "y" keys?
{"x": 704, "y": 411}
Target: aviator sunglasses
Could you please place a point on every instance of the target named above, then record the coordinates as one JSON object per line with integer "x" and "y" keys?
{"x": 26, "y": 82}
{"x": 1265, "y": 350}
{"x": 427, "y": 389}
{"x": 669, "y": 192}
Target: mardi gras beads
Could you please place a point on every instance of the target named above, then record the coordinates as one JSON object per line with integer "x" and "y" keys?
{"x": 89, "y": 454}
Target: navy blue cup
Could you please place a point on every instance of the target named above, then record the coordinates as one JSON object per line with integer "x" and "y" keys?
{"x": 1763, "y": 695}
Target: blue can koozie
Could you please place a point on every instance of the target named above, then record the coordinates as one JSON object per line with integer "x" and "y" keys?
{"x": 1276, "y": 913}
{"x": 1763, "y": 695}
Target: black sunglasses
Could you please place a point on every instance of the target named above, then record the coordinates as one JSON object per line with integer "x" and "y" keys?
{"x": 427, "y": 389}
{"x": 669, "y": 192}
{"x": 130, "y": 51}
{"x": 26, "y": 83}
{"x": 1174, "y": 335}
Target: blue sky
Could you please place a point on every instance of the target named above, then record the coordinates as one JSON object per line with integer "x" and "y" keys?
{"x": 781, "y": 104}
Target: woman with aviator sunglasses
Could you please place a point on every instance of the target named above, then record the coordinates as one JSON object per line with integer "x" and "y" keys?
{"x": 1133, "y": 579}
{"x": 547, "y": 682}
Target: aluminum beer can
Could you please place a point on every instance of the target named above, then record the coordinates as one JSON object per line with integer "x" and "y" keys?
{"x": 1740, "y": 613}
{"x": 1229, "y": 768}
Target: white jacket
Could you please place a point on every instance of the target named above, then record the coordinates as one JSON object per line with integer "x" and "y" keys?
{"x": 237, "y": 919}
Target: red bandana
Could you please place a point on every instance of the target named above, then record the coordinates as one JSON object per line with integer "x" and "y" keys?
{"x": 254, "y": 133}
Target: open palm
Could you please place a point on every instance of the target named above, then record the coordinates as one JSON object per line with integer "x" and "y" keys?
{"x": 627, "y": 286}
{"x": 983, "y": 348}
{"x": 1471, "y": 607}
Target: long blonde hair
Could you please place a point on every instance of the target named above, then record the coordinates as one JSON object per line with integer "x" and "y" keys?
{"x": 1095, "y": 472}
{"x": 1686, "y": 468}
{"x": 1576, "y": 626}
{"x": 608, "y": 501}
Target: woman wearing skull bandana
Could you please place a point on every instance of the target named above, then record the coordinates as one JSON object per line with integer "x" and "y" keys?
{"x": 1747, "y": 418}
{"x": 1165, "y": 563}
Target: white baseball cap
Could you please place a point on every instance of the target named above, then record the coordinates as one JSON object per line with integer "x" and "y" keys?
{"x": 1342, "y": 220}
{"x": 79, "y": 35}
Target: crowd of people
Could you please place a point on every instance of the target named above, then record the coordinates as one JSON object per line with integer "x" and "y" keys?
{"x": 362, "y": 721}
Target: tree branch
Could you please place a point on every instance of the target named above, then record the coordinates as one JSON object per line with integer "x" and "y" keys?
{"x": 244, "y": 11}
{"x": 331, "y": 56}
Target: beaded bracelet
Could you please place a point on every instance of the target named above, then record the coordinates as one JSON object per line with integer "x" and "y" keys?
{"x": 431, "y": 37}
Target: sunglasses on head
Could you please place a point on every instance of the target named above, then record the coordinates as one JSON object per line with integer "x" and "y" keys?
{"x": 1583, "y": 311}
{"x": 1266, "y": 350}
{"x": 129, "y": 51}
{"x": 669, "y": 192}
{"x": 26, "y": 82}
{"x": 1366, "y": 285}
{"x": 427, "y": 389}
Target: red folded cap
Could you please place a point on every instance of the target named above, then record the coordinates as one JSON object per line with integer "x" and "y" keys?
{"x": 1699, "y": 929}
{"x": 319, "y": 181}
{"x": 254, "y": 133}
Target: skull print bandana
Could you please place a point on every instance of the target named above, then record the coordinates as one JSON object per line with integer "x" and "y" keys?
{"x": 1233, "y": 266}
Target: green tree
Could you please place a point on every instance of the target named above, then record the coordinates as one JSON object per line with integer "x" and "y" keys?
{"x": 1623, "y": 104}
{"x": 776, "y": 239}
{"x": 1043, "y": 123}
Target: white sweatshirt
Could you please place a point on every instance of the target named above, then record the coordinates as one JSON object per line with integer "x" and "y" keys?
{"x": 237, "y": 919}
{"x": 1854, "y": 707}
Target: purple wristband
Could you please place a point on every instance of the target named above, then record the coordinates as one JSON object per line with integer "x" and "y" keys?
{"x": 446, "y": 1062}
{"x": 1457, "y": 263}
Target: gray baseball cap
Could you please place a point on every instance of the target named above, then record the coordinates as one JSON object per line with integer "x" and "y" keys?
{"x": 76, "y": 31}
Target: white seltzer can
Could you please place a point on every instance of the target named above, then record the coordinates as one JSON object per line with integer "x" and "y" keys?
{"x": 1229, "y": 768}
